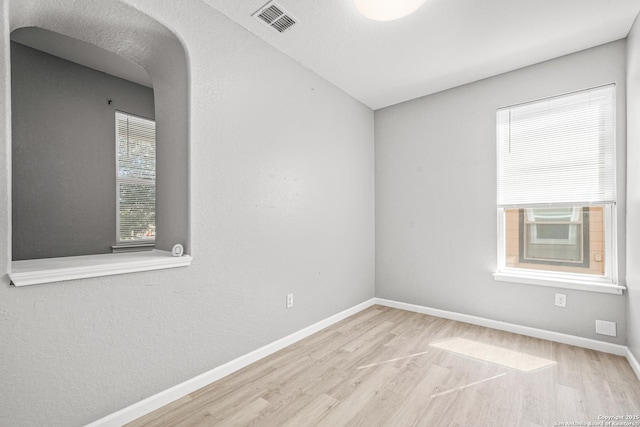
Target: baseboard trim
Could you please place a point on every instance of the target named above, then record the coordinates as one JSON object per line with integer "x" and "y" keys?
{"x": 605, "y": 347}
{"x": 635, "y": 365}
{"x": 165, "y": 397}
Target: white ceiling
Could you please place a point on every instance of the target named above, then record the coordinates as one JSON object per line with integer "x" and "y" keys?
{"x": 446, "y": 43}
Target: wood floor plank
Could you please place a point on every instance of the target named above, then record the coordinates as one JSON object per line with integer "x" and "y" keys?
{"x": 244, "y": 416}
{"x": 309, "y": 414}
{"x": 418, "y": 394}
{"x": 378, "y": 368}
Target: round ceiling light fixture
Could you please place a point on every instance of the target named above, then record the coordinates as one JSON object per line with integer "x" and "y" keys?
{"x": 387, "y": 10}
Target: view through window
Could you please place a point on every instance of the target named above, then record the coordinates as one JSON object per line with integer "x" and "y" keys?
{"x": 136, "y": 178}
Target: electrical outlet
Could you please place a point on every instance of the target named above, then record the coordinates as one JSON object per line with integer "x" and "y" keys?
{"x": 606, "y": 328}
{"x": 561, "y": 300}
{"x": 289, "y": 300}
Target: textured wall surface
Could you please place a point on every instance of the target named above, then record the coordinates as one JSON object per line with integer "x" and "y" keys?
{"x": 633, "y": 190}
{"x": 436, "y": 221}
{"x": 63, "y": 149}
{"x": 281, "y": 201}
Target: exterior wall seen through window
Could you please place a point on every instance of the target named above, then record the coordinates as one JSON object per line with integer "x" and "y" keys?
{"x": 563, "y": 239}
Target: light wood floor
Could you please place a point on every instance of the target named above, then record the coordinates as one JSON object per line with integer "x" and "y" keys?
{"x": 378, "y": 368}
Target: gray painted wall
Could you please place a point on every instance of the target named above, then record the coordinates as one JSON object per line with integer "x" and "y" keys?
{"x": 436, "y": 198}
{"x": 64, "y": 195}
{"x": 271, "y": 213}
{"x": 633, "y": 190}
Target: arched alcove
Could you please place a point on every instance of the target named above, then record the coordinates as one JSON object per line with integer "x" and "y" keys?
{"x": 128, "y": 32}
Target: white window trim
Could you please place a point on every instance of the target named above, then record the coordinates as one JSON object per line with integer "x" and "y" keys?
{"x": 568, "y": 281}
{"x": 51, "y": 270}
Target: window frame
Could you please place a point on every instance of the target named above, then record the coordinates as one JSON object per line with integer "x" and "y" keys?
{"x": 608, "y": 282}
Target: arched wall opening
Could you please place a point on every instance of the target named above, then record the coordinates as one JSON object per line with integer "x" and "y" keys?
{"x": 123, "y": 30}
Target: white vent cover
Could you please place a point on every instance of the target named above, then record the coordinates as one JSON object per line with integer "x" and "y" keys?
{"x": 275, "y": 16}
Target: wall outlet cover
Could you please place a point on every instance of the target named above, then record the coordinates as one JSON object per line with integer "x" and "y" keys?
{"x": 289, "y": 300}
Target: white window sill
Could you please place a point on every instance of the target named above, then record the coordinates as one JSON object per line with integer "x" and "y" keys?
{"x": 556, "y": 281}
{"x": 49, "y": 270}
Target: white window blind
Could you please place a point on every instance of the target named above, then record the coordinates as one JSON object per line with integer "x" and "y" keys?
{"x": 558, "y": 150}
{"x": 135, "y": 177}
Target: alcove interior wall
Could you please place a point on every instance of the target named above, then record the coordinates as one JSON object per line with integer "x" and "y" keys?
{"x": 64, "y": 201}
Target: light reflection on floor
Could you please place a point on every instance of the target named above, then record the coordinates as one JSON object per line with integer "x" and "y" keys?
{"x": 492, "y": 354}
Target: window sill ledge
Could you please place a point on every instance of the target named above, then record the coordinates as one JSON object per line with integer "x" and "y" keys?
{"x": 559, "y": 282}
{"x": 50, "y": 270}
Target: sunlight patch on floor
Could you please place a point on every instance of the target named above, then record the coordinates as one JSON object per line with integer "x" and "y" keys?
{"x": 492, "y": 354}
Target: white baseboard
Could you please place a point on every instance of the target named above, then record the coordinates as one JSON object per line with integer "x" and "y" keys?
{"x": 156, "y": 401}
{"x": 633, "y": 362}
{"x": 165, "y": 397}
{"x": 591, "y": 344}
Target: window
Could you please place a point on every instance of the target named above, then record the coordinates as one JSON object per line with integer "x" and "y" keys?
{"x": 135, "y": 178}
{"x": 556, "y": 189}
{"x": 554, "y": 235}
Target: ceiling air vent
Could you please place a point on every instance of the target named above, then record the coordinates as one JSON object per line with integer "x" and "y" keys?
{"x": 275, "y": 16}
